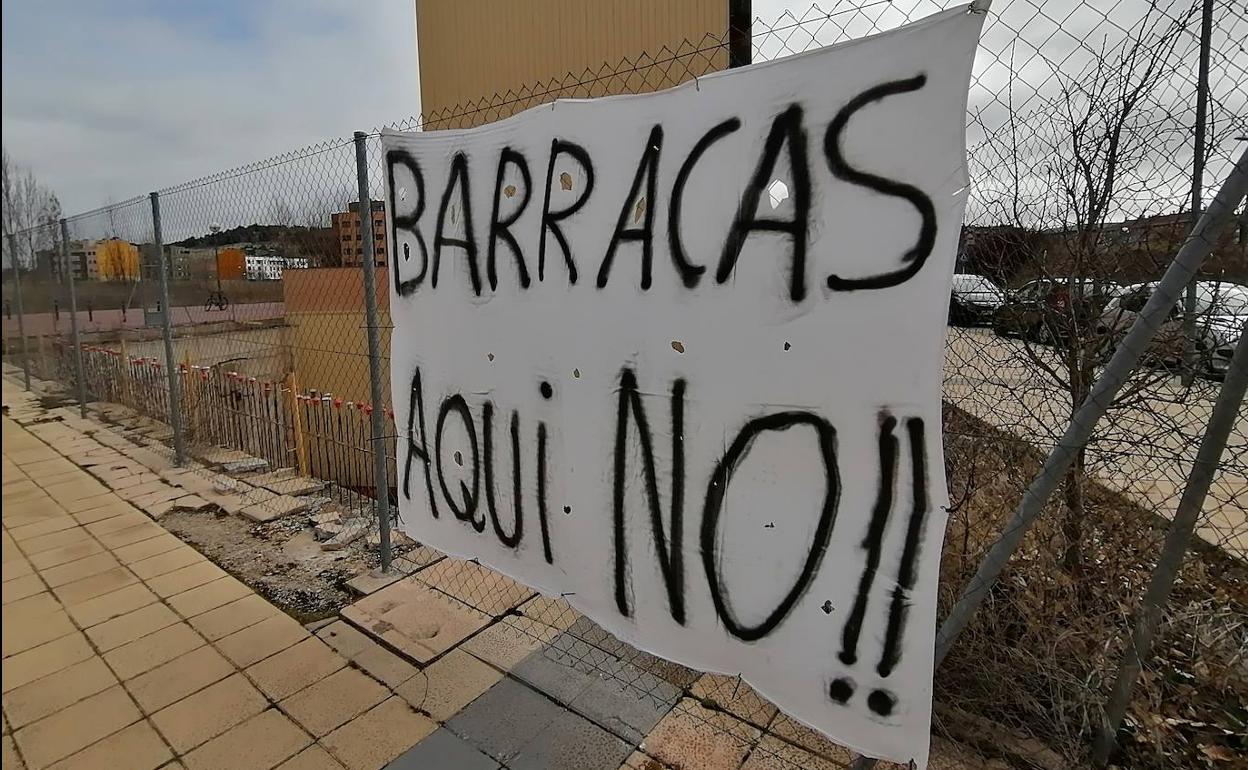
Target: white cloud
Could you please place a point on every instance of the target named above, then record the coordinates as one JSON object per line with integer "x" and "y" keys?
{"x": 107, "y": 101}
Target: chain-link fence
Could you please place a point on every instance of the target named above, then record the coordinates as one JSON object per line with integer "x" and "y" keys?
{"x": 1082, "y": 134}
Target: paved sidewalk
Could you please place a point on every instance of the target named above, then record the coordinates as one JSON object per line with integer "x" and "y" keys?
{"x": 123, "y": 647}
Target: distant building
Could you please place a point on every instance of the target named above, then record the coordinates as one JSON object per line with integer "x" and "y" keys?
{"x": 231, "y": 263}
{"x": 187, "y": 263}
{"x": 84, "y": 260}
{"x": 263, "y": 263}
{"x": 350, "y": 234}
{"x": 479, "y": 52}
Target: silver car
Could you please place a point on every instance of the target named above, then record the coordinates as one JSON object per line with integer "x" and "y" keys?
{"x": 1221, "y": 315}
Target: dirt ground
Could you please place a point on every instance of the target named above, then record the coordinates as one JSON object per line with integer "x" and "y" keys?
{"x": 281, "y": 560}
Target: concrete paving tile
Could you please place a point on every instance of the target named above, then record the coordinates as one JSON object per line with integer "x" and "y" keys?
{"x": 694, "y": 736}
{"x": 443, "y": 749}
{"x": 771, "y": 753}
{"x": 166, "y": 495}
{"x": 415, "y": 619}
{"x": 45, "y": 659}
{"x": 58, "y": 556}
{"x": 108, "y": 510}
{"x": 128, "y": 554}
{"x": 260, "y": 743}
{"x": 562, "y": 676}
{"x": 76, "y": 727}
{"x": 16, "y": 567}
{"x": 79, "y": 568}
{"x": 384, "y": 666}
{"x": 478, "y": 587}
{"x": 373, "y": 581}
{"x": 133, "y": 625}
{"x": 509, "y": 641}
{"x": 20, "y": 636}
{"x": 42, "y": 697}
{"x": 59, "y": 479}
{"x": 54, "y": 540}
{"x": 275, "y": 508}
{"x": 54, "y": 467}
{"x": 45, "y": 527}
{"x": 295, "y": 668}
{"x": 503, "y": 720}
{"x": 21, "y": 587}
{"x": 110, "y": 605}
{"x": 9, "y": 760}
{"x": 130, "y": 518}
{"x": 453, "y": 681}
{"x": 314, "y": 758}
{"x": 185, "y": 579}
{"x": 172, "y": 681}
{"x": 379, "y": 736}
{"x": 85, "y": 503}
{"x": 734, "y": 696}
{"x": 208, "y": 596}
{"x": 346, "y": 639}
{"x": 130, "y": 535}
{"x": 94, "y": 585}
{"x": 794, "y": 732}
{"x": 259, "y": 641}
{"x": 137, "y": 747}
{"x": 626, "y": 700}
{"x": 235, "y": 616}
{"x": 640, "y": 761}
{"x": 32, "y": 607}
{"x": 334, "y": 701}
{"x": 208, "y": 713}
{"x": 160, "y": 564}
{"x": 77, "y": 488}
{"x": 572, "y": 743}
{"x": 145, "y": 653}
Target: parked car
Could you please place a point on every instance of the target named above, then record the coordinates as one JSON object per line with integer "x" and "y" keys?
{"x": 974, "y": 300}
{"x": 1221, "y": 313}
{"x": 1050, "y": 310}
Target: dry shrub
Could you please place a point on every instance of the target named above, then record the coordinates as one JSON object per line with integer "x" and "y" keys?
{"x": 1042, "y": 652}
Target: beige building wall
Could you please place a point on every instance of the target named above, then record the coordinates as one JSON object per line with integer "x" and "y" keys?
{"x": 476, "y": 50}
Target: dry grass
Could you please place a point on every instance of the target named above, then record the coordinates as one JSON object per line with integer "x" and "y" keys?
{"x": 1041, "y": 655}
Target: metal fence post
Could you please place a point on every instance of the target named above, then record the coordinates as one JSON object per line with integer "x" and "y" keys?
{"x": 166, "y": 325}
{"x": 1124, "y": 361}
{"x": 1225, "y": 413}
{"x": 375, "y": 373}
{"x": 1190, "y": 353}
{"x": 16, "y": 264}
{"x": 73, "y": 320}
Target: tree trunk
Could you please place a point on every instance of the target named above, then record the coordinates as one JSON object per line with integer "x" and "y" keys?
{"x": 1073, "y": 517}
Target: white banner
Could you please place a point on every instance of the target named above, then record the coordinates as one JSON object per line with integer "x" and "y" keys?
{"x": 677, "y": 357}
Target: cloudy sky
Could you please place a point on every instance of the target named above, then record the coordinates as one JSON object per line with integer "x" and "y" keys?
{"x": 107, "y": 99}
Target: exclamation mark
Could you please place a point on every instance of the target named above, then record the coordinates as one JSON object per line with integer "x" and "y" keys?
{"x": 843, "y": 688}
{"x": 882, "y": 701}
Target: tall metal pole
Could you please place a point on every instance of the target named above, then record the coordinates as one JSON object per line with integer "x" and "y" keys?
{"x": 1225, "y": 414}
{"x": 375, "y": 372}
{"x": 1198, "y": 174}
{"x": 16, "y": 264}
{"x": 1124, "y": 361}
{"x": 73, "y": 321}
{"x": 166, "y": 327}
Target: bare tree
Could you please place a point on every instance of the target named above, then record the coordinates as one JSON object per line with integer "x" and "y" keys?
{"x": 1069, "y": 173}
{"x": 30, "y": 212}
